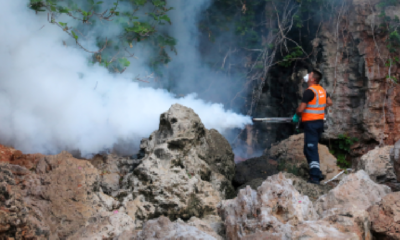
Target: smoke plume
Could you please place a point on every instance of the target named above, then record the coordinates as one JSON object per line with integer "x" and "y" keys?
{"x": 51, "y": 99}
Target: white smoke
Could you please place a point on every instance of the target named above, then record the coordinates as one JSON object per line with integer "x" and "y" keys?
{"x": 51, "y": 99}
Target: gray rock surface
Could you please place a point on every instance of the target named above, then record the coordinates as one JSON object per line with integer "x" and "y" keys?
{"x": 312, "y": 191}
{"x": 278, "y": 211}
{"x": 378, "y": 165}
{"x": 273, "y": 209}
{"x": 163, "y": 228}
{"x": 186, "y": 171}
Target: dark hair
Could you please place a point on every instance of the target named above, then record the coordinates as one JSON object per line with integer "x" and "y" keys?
{"x": 317, "y": 75}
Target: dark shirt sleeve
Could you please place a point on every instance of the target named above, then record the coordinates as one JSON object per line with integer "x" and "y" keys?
{"x": 308, "y": 96}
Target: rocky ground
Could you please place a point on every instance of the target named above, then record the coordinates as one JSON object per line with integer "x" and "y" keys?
{"x": 181, "y": 188}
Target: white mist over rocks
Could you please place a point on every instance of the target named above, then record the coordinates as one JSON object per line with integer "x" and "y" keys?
{"x": 51, "y": 99}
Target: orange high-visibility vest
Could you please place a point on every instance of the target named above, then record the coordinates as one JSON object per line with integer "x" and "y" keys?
{"x": 315, "y": 109}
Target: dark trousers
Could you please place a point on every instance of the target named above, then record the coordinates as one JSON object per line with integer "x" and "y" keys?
{"x": 312, "y": 134}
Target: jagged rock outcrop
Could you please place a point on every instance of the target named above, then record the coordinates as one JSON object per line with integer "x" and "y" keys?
{"x": 62, "y": 196}
{"x": 378, "y": 165}
{"x": 290, "y": 153}
{"x": 385, "y": 217}
{"x": 278, "y": 211}
{"x": 269, "y": 212}
{"x": 163, "y": 228}
{"x": 187, "y": 170}
{"x": 106, "y": 225}
{"x": 312, "y": 191}
{"x": 345, "y": 206}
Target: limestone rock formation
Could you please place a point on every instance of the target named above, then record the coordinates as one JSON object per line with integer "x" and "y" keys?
{"x": 355, "y": 192}
{"x": 186, "y": 171}
{"x": 278, "y": 211}
{"x": 378, "y": 164}
{"x": 312, "y": 191}
{"x": 62, "y": 196}
{"x": 345, "y": 206}
{"x": 163, "y": 228}
{"x": 385, "y": 217}
{"x": 290, "y": 152}
{"x": 273, "y": 209}
{"x": 106, "y": 225}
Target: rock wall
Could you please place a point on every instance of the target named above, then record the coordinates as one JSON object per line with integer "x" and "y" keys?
{"x": 351, "y": 51}
{"x": 276, "y": 210}
{"x": 354, "y": 52}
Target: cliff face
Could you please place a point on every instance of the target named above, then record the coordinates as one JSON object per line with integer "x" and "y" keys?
{"x": 351, "y": 50}
{"x": 354, "y": 61}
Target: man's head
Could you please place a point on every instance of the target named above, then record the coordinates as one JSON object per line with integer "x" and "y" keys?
{"x": 315, "y": 77}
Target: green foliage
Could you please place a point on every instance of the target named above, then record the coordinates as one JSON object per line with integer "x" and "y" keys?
{"x": 84, "y": 14}
{"x": 341, "y": 149}
{"x": 284, "y": 166}
{"x": 387, "y": 3}
{"x": 292, "y": 56}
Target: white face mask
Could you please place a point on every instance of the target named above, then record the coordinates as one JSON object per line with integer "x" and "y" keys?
{"x": 306, "y": 77}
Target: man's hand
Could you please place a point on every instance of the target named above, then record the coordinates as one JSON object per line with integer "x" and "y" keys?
{"x": 296, "y": 118}
{"x": 301, "y": 108}
{"x": 329, "y": 102}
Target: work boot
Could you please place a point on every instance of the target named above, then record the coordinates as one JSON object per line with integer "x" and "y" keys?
{"x": 322, "y": 177}
{"x": 313, "y": 181}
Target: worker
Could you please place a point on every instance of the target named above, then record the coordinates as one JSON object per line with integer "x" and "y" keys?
{"x": 312, "y": 113}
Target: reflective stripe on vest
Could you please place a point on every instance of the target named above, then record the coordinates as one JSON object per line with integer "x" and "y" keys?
{"x": 315, "y": 109}
{"x": 316, "y": 105}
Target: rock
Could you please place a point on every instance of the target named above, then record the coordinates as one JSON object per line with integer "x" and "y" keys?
{"x": 209, "y": 222}
{"x": 312, "y": 191}
{"x": 253, "y": 184}
{"x": 385, "y": 217}
{"x": 110, "y": 183}
{"x": 15, "y": 157}
{"x": 377, "y": 164}
{"x": 345, "y": 206}
{"x": 218, "y": 154}
{"x": 355, "y": 192}
{"x": 112, "y": 163}
{"x": 278, "y": 211}
{"x": 260, "y": 167}
{"x": 163, "y": 228}
{"x": 290, "y": 152}
{"x": 54, "y": 202}
{"x": 360, "y": 94}
{"x": 321, "y": 230}
{"x": 395, "y": 157}
{"x": 273, "y": 209}
{"x": 109, "y": 202}
{"x": 186, "y": 170}
{"x": 105, "y": 226}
